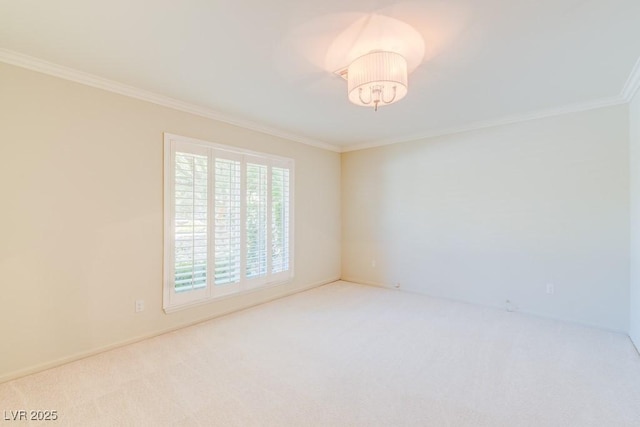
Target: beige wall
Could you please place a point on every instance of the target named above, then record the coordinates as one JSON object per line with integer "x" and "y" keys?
{"x": 488, "y": 215}
{"x": 496, "y": 214}
{"x": 81, "y": 219}
{"x": 634, "y": 116}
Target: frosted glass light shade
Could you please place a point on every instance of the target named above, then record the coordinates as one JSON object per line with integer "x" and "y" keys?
{"x": 377, "y": 78}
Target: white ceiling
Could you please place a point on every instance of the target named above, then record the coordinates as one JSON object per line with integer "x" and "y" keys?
{"x": 262, "y": 62}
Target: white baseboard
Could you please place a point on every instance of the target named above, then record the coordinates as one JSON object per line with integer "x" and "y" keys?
{"x": 88, "y": 353}
{"x": 366, "y": 282}
{"x": 636, "y": 342}
{"x": 495, "y": 306}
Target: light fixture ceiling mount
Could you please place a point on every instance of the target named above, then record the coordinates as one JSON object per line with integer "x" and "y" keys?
{"x": 377, "y": 78}
{"x": 375, "y": 56}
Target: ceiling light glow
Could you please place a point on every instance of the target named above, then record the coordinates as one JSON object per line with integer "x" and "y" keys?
{"x": 380, "y": 52}
{"x": 377, "y": 78}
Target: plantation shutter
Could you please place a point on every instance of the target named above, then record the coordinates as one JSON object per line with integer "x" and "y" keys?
{"x": 228, "y": 216}
{"x": 228, "y": 224}
{"x": 191, "y": 228}
{"x": 256, "y": 223}
{"x": 280, "y": 219}
{"x": 188, "y": 272}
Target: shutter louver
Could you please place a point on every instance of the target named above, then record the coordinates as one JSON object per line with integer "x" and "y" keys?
{"x": 190, "y": 223}
{"x": 280, "y": 219}
{"x": 227, "y": 221}
{"x": 256, "y": 220}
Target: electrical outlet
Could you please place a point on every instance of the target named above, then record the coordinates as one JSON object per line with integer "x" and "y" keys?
{"x": 373, "y": 263}
{"x": 139, "y": 305}
{"x": 550, "y": 288}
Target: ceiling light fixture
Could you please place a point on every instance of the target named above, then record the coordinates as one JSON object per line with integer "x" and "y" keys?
{"x": 375, "y": 55}
{"x": 376, "y": 78}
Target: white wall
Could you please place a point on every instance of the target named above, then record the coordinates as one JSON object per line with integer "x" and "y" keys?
{"x": 496, "y": 214}
{"x": 634, "y": 116}
{"x": 81, "y": 218}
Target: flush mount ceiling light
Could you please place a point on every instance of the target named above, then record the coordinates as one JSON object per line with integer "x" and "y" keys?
{"x": 377, "y": 78}
{"x": 375, "y": 54}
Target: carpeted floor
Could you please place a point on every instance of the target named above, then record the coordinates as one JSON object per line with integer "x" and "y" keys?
{"x": 350, "y": 355}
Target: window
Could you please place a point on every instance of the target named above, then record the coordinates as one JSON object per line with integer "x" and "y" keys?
{"x": 228, "y": 221}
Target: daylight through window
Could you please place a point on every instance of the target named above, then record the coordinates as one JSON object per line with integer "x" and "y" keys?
{"x": 227, "y": 221}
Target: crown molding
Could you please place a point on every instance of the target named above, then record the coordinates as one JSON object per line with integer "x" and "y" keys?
{"x": 628, "y": 91}
{"x": 633, "y": 82}
{"x": 14, "y": 58}
{"x": 541, "y": 114}
{"x": 45, "y": 67}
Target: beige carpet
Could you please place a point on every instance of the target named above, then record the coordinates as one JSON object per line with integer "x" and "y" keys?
{"x": 351, "y": 355}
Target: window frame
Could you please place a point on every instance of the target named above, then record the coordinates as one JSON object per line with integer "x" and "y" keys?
{"x": 174, "y": 301}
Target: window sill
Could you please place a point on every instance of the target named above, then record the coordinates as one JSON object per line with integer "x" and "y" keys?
{"x": 191, "y": 304}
